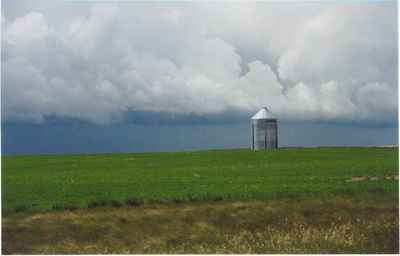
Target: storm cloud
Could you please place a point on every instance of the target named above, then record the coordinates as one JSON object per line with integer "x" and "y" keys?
{"x": 97, "y": 62}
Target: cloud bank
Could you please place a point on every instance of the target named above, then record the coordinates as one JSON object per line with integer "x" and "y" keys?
{"x": 305, "y": 61}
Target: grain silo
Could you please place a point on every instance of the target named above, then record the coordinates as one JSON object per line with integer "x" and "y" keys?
{"x": 264, "y": 130}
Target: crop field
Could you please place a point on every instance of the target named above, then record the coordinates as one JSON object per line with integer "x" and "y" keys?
{"x": 311, "y": 200}
{"x": 76, "y": 181}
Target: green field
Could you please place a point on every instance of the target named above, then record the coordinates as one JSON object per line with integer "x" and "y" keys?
{"x": 315, "y": 200}
{"x": 78, "y": 181}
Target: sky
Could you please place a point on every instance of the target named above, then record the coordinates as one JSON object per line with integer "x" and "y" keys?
{"x": 157, "y": 72}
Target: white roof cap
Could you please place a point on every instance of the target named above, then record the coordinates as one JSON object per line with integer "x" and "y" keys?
{"x": 263, "y": 113}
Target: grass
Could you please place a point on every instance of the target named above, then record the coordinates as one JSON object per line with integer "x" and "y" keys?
{"x": 315, "y": 200}
{"x": 45, "y": 182}
{"x": 340, "y": 224}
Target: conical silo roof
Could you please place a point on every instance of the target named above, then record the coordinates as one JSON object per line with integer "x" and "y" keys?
{"x": 263, "y": 113}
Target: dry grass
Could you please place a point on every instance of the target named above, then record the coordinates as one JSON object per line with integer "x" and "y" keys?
{"x": 335, "y": 225}
{"x": 374, "y": 178}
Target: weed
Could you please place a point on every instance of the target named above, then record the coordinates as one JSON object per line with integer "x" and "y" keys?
{"x": 217, "y": 198}
{"x": 376, "y": 190}
{"x": 22, "y": 208}
{"x": 98, "y": 203}
{"x": 115, "y": 203}
{"x": 64, "y": 207}
{"x": 133, "y": 202}
{"x": 178, "y": 200}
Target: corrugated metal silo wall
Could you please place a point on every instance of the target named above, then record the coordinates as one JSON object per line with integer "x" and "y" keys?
{"x": 264, "y": 134}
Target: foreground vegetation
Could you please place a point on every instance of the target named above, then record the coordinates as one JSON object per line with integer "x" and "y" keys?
{"x": 339, "y": 224}
{"x": 316, "y": 200}
{"x": 41, "y": 183}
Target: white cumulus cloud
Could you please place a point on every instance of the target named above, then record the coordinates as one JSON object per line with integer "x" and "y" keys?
{"x": 305, "y": 61}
